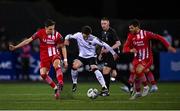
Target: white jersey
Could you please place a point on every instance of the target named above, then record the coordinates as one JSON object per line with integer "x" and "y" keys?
{"x": 87, "y": 48}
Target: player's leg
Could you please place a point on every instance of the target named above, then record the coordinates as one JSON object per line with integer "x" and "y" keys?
{"x": 59, "y": 74}
{"x": 133, "y": 72}
{"x": 100, "y": 78}
{"x": 151, "y": 79}
{"x": 140, "y": 71}
{"x": 44, "y": 74}
{"x": 124, "y": 80}
{"x": 106, "y": 73}
{"x": 137, "y": 89}
{"x": 132, "y": 76}
{"x": 74, "y": 73}
{"x": 123, "y": 77}
{"x": 113, "y": 75}
{"x": 109, "y": 64}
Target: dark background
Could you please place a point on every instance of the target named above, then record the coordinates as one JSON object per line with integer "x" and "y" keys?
{"x": 122, "y": 9}
{"x": 22, "y": 18}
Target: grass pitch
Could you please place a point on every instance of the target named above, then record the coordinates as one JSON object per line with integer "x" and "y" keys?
{"x": 39, "y": 96}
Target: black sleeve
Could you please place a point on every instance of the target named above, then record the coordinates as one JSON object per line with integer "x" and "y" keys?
{"x": 116, "y": 38}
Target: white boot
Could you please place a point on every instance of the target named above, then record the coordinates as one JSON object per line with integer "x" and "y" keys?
{"x": 145, "y": 91}
{"x": 135, "y": 95}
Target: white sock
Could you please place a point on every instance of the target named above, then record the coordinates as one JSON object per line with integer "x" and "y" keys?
{"x": 100, "y": 78}
{"x": 74, "y": 75}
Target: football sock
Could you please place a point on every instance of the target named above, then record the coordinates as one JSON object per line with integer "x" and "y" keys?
{"x": 131, "y": 78}
{"x": 138, "y": 85}
{"x": 48, "y": 79}
{"x": 100, "y": 78}
{"x": 74, "y": 75}
{"x": 142, "y": 78}
{"x": 150, "y": 77}
{"x": 107, "y": 80}
{"x": 59, "y": 75}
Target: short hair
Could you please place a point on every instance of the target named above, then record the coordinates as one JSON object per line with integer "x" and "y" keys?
{"x": 105, "y": 18}
{"x": 135, "y": 23}
{"x": 86, "y": 30}
{"x": 49, "y": 22}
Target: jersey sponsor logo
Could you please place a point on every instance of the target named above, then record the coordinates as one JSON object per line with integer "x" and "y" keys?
{"x": 138, "y": 43}
{"x": 49, "y": 41}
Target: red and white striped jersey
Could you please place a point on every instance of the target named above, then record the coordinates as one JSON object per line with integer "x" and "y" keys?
{"x": 141, "y": 42}
{"x": 48, "y": 43}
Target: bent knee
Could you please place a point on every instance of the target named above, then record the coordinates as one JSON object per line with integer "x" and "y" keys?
{"x": 106, "y": 71}
{"x": 75, "y": 66}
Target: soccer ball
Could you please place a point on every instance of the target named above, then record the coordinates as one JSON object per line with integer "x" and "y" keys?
{"x": 92, "y": 93}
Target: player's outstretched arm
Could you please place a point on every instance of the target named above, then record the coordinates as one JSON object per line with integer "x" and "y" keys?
{"x": 69, "y": 36}
{"x": 23, "y": 43}
{"x": 103, "y": 44}
{"x": 116, "y": 45}
{"x": 64, "y": 53}
{"x": 127, "y": 45}
{"x": 171, "y": 49}
{"x": 160, "y": 38}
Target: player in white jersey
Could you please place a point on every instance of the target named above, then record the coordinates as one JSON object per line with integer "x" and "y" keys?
{"x": 87, "y": 56}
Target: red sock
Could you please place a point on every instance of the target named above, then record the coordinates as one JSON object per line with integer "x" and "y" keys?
{"x": 138, "y": 85}
{"x": 150, "y": 77}
{"x": 48, "y": 80}
{"x": 59, "y": 75}
{"x": 131, "y": 78}
{"x": 142, "y": 78}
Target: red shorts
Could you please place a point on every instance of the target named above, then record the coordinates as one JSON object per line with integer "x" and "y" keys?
{"x": 47, "y": 61}
{"x": 146, "y": 63}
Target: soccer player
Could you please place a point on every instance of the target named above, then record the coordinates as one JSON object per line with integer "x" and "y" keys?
{"x": 87, "y": 56}
{"x": 50, "y": 40}
{"x": 110, "y": 37}
{"x": 138, "y": 42}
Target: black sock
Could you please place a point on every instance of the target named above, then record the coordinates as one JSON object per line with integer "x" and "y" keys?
{"x": 107, "y": 80}
{"x": 124, "y": 80}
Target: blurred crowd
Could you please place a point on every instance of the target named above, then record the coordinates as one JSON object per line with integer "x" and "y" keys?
{"x": 5, "y": 41}
{"x": 174, "y": 41}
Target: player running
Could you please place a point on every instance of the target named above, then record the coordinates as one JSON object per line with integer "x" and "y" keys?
{"x": 138, "y": 42}
{"x": 50, "y": 41}
{"x": 87, "y": 56}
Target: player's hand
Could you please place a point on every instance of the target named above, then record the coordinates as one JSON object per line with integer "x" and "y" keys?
{"x": 171, "y": 49}
{"x": 115, "y": 56}
{"x": 65, "y": 64}
{"x": 133, "y": 50}
{"x": 12, "y": 47}
{"x": 66, "y": 42}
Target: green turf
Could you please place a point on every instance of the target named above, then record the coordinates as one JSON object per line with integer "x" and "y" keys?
{"x": 34, "y": 96}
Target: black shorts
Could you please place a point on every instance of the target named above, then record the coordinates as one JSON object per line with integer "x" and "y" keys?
{"x": 109, "y": 61}
{"x": 88, "y": 61}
